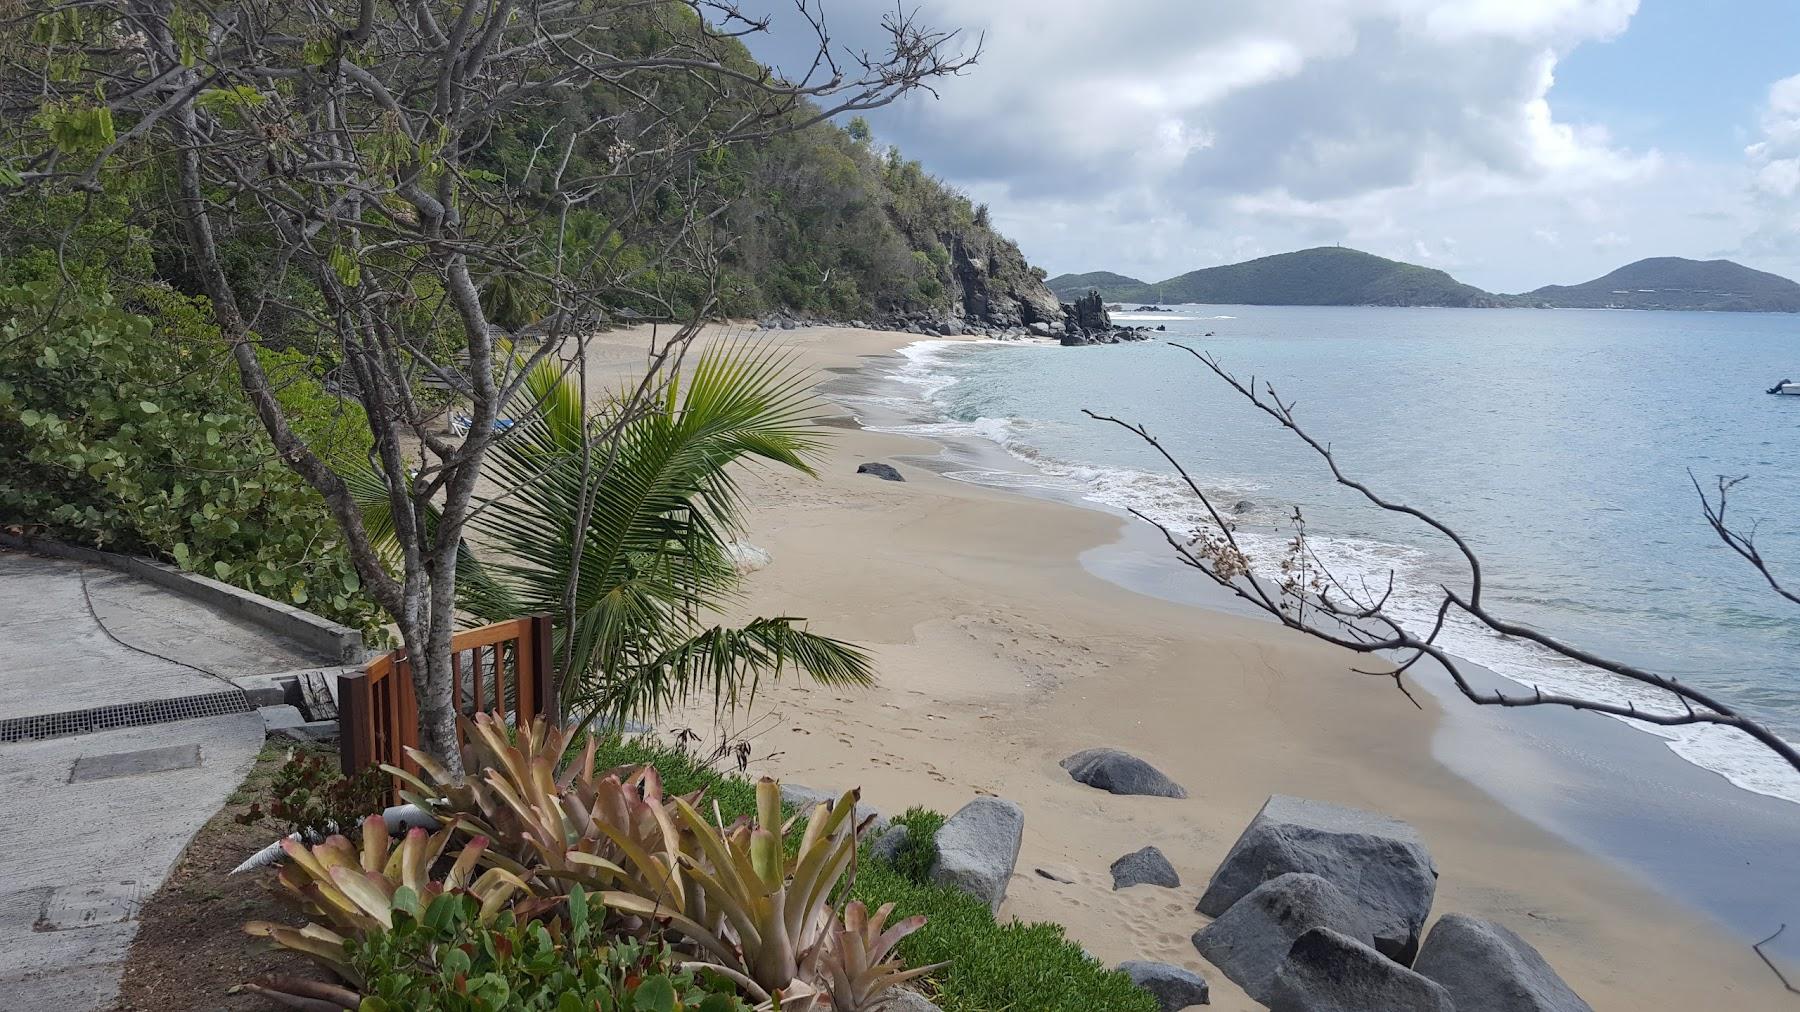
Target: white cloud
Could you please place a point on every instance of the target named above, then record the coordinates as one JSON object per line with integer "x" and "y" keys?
{"x": 1774, "y": 164}
{"x": 1156, "y": 138}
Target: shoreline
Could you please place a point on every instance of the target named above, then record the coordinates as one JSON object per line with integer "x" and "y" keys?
{"x": 1001, "y": 651}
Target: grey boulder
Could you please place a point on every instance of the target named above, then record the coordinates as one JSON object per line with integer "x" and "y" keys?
{"x": 1120, "y": 773}
{"x": 1173, "y": 987}
{"x": 1488, "y": 968}
{"x": 1330, "y": 972}
{"x": 978, "y": 848}
{"x": 902, "y": 1000}
{"x": 885, "y": 472}
{"x": 1250, "y": 941}
{"x": 805, "y": 799}
{"x": 1379, "y": 862}
{"x": 886, "y": 843}
{"x": 1144, "y": 867}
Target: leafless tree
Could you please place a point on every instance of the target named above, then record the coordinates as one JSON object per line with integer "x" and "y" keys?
{"x": 1306, "y": 595}
{"x": 353, "y": 140}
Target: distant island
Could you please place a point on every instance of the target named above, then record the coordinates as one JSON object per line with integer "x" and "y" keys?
{"x": 1675, "y": 283}
{"x": 1337, "y": 276}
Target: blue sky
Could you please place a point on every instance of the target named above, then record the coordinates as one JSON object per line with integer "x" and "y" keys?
{"x": 1514, "y": 143}
{"x": 1686, "y": 75}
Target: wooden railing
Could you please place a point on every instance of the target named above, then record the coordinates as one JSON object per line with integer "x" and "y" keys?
{"x": 505, "y": 667}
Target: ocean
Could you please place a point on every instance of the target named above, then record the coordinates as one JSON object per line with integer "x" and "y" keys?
{"x": 1558, "y": 442}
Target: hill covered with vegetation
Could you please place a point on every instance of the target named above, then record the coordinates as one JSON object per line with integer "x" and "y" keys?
{"x": 1675, "y": 283}
{"x": 1112, "y": 287}
{"x": 1324, "y": 276}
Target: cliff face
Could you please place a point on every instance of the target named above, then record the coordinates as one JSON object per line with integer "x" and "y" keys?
{"x": 992, "y": 284}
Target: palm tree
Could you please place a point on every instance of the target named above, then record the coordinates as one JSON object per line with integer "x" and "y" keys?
{"x": 649, "y": 506}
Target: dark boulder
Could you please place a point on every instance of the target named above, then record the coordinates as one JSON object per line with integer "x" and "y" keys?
{"x": 1144, "y": 867}
{"x": 1120, "y": 773}
{"x": 885, "y": 472}
{"x": 1488, "y": 968}
{"x": 1379, "y": 862}
{"x": 1173, "y": 987}
{"x": 1250, "y": 941}
{"x": 1327, "y": 971}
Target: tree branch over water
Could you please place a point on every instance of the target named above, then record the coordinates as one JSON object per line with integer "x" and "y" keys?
{"x": 1305, "y": 595}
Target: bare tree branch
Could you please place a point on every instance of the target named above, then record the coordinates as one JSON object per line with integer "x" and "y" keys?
{"x": 1305, "y": 596}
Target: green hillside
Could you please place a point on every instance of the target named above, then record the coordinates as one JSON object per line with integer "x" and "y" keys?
{"x": 1112, "y": 287}
{"x": 1324, "y": 276}
{"x": 1675, "y": 283}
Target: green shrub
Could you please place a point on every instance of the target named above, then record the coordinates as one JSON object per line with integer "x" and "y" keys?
{"x": 996, "y": 966}
{"x": 917, "y": 855}
{"x": 127, "y": 430}
{"x": 443, "y": 959}
{"x": 311, "y": 796}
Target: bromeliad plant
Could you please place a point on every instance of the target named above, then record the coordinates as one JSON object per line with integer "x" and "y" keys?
{"x": 356, "y": 890}
{"x": 536, "y": 818}
{"x": 759, "y": 916}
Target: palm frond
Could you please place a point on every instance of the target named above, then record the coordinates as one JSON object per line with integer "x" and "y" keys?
{"x": 652, "y": 558}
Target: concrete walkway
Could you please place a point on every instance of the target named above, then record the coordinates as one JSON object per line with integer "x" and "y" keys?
{"x": 91, "y": 824}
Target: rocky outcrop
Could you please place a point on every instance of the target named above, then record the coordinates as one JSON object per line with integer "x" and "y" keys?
{"x": 994, "y": 285}
{"x": 885, "y": 472}
{"x": 1250, "y": 941}
{"x": 1144, "y": 867}
{"x": 1327, "y": 971}
{"x": 978, "y": 848}
{"x": 1173, "y": 987}
{"x": 1377, "y": 861}
{"x": 1120, "y": 773}
{"x": 1085, "y": 321}
{"x": 1488, "y": 968}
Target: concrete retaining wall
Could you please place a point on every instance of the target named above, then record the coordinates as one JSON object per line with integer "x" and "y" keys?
{"x": 339, "y": 643}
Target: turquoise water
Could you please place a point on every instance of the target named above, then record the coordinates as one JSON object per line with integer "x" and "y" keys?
{"x": 1558, "y": 442}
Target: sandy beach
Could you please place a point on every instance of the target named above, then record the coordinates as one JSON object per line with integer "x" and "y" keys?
{"x": 999, "y": 654}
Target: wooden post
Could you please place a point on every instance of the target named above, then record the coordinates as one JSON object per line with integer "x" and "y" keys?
{"x": 356, "y": 722}
{"x": 543, "y": 669}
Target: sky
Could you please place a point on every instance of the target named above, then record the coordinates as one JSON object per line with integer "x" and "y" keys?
{"x": 1514, "y": 143}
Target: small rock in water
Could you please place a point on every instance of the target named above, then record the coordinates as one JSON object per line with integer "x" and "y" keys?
{"x": 1327, "y": 971}
{"x": 1173, "y": 987}
{"x": 886, "y": 472}
{"x": 1488, "y": 968}
{"x": 1120, "y": 773}
{"x": 1243, "y": 506}
{"x": 1144, "y": 867}
{"x": 1250, "y": 941}
{"x": 978, "y": 848}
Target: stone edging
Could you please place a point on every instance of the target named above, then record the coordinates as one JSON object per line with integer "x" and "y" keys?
{"x": 340, "y": 644}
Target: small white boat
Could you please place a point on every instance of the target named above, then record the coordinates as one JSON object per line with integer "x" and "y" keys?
{"x": 1788, "y": 387}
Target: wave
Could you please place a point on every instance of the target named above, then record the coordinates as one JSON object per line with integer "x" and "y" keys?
{"x": 1355, "y": 561}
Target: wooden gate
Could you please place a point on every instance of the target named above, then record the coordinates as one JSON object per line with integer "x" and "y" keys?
{"x": 505, "y": 666}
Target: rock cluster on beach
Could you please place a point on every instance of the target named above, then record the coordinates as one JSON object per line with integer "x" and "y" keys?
{"x": 1320, "y": 908}
{"x": 1315, "y": 908}
{"x": 1013, "y": 317}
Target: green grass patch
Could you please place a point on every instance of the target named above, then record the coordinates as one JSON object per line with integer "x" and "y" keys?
{"x": 917, "y": 855}
{"x": 994, "y": 966}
